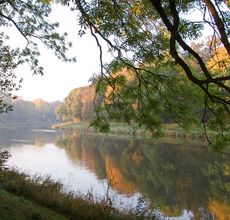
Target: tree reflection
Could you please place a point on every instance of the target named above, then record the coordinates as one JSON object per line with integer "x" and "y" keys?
{"x": 173, "y": 177}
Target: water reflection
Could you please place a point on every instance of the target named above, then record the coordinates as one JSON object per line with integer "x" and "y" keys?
{"x": 181, "y": 180}
{"x": 174, "y": 177}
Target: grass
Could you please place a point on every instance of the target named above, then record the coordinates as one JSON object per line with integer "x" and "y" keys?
{"x": 115, "y": 128}
{"x": 17, "y": 208}
{"x": 168, "y": 130}
{"x": 23, "y": 197}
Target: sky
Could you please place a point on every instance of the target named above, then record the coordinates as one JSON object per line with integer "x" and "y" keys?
{"x": 60, "y": 77}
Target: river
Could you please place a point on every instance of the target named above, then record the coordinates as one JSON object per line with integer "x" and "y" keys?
{"x": 178, "y": 180}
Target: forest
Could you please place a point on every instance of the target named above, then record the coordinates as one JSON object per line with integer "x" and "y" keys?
{"x": 78, "y": 105}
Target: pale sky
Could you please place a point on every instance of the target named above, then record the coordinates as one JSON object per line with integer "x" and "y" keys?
{"x": 60, "y": 77}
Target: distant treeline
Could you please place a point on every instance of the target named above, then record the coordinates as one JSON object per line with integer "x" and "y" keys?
{"x": 30, "y": 111}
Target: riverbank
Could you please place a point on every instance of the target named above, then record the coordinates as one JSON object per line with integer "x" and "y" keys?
{"x": 17, "y": 208}
{"x": 23, "y": 198}
{"x": 170, "y": 133}
{"x": 168, "y": 130}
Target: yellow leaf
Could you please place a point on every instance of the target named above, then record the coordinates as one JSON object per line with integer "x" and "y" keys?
{"x": 47, "y": 1}
{"x": 137, "y": 8}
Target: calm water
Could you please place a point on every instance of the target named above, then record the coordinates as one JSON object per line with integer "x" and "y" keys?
{"x": 182, "y": 181}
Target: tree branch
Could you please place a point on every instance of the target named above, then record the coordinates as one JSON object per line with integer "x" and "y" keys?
{"x": 219, "y": 24}
{"x": 15, "y": 24}
{"x": 173, "y": 29}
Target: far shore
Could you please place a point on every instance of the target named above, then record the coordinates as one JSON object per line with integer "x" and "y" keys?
{"x": 168, "y": 130}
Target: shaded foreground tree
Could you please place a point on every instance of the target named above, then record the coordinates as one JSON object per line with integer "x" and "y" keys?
{"x": 28, "y": 19}
{"x": 152, "y": 41}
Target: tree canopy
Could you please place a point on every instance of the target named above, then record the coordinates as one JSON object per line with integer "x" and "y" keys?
{"x": 153, "y": 40}
{"x": 78, "y": 105}
{"x": 29, "y": 18}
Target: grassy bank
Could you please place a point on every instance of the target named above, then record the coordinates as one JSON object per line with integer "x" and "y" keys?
{"x": 22, "y": 197}
{"x": 168, "y": 130}
{"x": 17, "y": 208}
